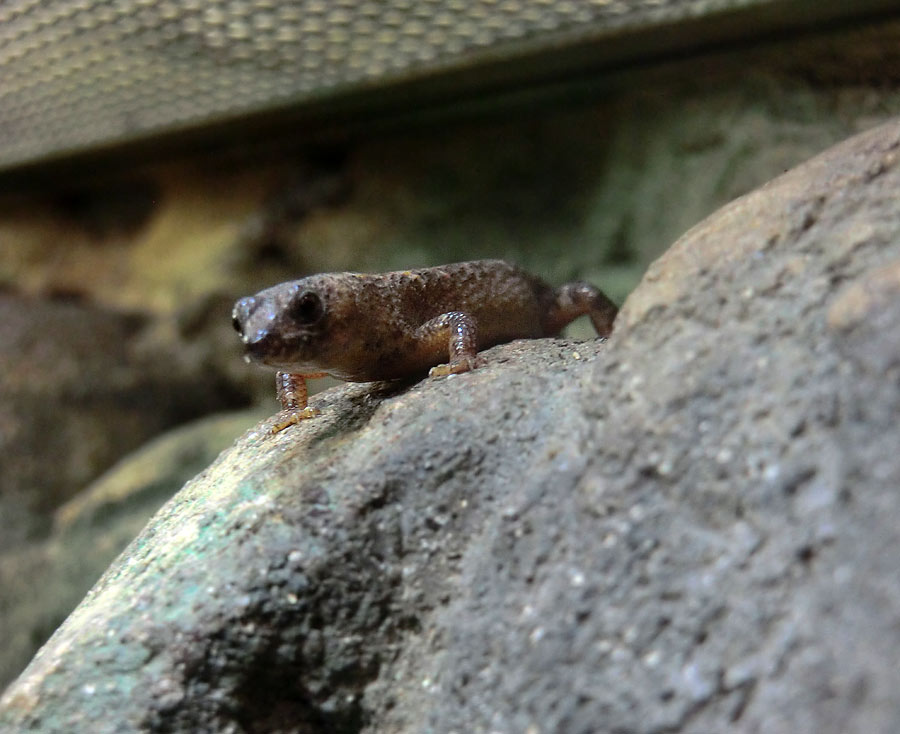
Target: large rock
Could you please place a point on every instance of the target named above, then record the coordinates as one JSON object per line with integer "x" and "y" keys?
{"x": 693, "y": 527}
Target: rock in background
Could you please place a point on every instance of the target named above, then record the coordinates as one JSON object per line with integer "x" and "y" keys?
{"x": 81, "y": 386}
{"x": 692, "y": 527}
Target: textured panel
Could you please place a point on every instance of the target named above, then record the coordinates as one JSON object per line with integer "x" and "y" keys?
{"x": 75, "y": 74}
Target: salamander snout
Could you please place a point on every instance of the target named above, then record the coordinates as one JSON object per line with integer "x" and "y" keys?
{"x": 253, "y": 324}
{"x": 240, "y": 313}
{"x": 255, "y": 320}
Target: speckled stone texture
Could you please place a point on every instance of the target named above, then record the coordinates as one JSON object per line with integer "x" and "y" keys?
{"x": 692, "y": 527}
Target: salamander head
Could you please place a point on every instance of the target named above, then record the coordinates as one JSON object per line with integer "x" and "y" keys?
{"x": 287, "y": 326}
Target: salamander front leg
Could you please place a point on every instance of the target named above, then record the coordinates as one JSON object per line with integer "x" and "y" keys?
{"x": 294, "y": 396}
{"x": 453, "y": 333}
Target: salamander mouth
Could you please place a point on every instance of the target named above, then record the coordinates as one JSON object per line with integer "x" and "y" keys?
{"x": 261, "y": 346}
{"x": 278, "y": 353}
{"x": 267, "y": 349}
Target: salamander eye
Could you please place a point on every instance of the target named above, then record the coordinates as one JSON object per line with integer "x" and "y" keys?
{"x": 307, "y": 308}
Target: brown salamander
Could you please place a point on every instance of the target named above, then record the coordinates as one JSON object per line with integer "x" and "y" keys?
{"x": 362, "y": 328}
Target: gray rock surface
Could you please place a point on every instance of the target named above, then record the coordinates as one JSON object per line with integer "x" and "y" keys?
{"x": 690, "y": 528}
{"x": 44, "y": 580}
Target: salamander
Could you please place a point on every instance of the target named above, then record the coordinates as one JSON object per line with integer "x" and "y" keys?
{"x": 363, "y": 327}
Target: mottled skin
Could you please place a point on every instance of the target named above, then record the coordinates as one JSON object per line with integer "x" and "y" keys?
{"x": 361, "y": 328}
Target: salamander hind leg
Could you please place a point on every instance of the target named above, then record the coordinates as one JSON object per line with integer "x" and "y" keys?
{"x": 577, "y": 299}
{"x": 453, "y": 333}
{"x": 294, "y": 396}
